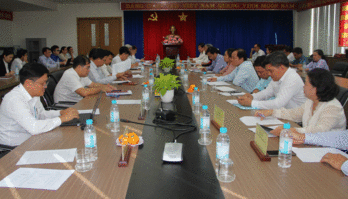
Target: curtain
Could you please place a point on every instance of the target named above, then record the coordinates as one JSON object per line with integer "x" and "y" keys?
{"x": 243, "y": 29}
{"x": 133, "y": 30}
{"x": 155, "y": 31}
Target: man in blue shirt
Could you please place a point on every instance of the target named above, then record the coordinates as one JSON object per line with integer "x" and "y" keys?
{"x": 244, "y": 75}
{"x": 262, "y": 73}
{"x": 218, "y": 62}
{"x": 300, "y": 59}
{"x": 46, "y": 59}
{"x": 54, "y": 55}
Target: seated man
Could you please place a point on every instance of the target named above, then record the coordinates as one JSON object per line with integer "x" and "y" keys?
{"x": 336, "y": 139}
{"x": 244, "y": 75}
{"x": 121, "y": 63}
{"x": 55, "y": 55}
{"x": 106, "y": 68}
{"x": 71, "y": 87}
{"x": 262, "y": 73}
{"x": 133, "y": 50}
{"x": 286, "y": 86}
{"x": 289, "y": 54}
{"x": 46, "y": 59}
{"x": 258, "y": 52}
{"x": 218, "y": 62}
{"x": 300, "y": 59}
{"x": 21, "y": 112}
{"x": 202, "y": 58}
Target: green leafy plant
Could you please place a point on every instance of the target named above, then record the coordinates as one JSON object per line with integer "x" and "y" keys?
{"x": 163, "y": 83}
{"x": 166, "y": 63}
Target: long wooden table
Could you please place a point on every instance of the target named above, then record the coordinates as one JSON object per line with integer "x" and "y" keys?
{"x": 254, "y": 179}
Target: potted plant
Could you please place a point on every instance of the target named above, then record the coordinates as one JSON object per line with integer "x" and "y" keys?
{"x": 166, "y": 64}
{"x": 165, "y": 84}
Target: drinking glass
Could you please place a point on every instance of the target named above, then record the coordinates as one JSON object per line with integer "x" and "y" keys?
{"x": 83, "y": 160}
{"x": 225, "y": 172}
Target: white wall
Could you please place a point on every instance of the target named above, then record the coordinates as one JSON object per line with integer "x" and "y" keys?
{"x": 6, "y": 33}
{"x": 59, "y": 27}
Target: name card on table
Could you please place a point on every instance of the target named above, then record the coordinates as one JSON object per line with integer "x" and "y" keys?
{"x": 261, "y": 143}
{"x": 219, "y": 117}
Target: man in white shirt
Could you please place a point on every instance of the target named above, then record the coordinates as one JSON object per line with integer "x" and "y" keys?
{"x": 287, "y": 50}
{"x": 98, "y": 58}
{"x": 71, "y": 87}
{"x": 121, "y": 63}
{"x": 286, "y": 86}
{"x": 106, "y": 68}
{"x": 202, "y": 58}
{"x": 258, "y": 52}
{"x": 21, "y": 112}
{"x": 46, "y": 59}
{"x": 20, "y": 61}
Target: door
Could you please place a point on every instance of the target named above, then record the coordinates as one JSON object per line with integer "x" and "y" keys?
{"x": 105, "y": 33}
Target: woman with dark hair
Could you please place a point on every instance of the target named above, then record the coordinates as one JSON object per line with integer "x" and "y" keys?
{"x": 321, "y": 112}
{"x": 63, "y": 53}
{"x": 228, "y": 59}
{"x": 20, "y": 60}
{"x": 319, "y": 61}
{"x": 5, "y": 61}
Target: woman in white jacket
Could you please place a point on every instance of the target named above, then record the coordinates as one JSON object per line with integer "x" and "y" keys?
{"x": 321, "y": 112}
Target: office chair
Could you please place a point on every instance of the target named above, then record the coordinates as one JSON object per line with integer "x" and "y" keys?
{"x": 340, "y": 69}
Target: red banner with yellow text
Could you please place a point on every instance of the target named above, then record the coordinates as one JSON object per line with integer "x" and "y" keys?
{"x": 6, "y": 15}
{"x": 343, "y": 32}
{"x": 210, "y": 6}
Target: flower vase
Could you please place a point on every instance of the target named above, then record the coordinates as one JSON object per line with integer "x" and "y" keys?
{"x": 168, "y": 97}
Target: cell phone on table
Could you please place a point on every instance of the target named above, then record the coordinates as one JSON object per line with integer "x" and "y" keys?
{"x": 276, "y": 152}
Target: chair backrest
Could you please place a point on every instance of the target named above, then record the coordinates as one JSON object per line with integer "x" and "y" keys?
{"x": 342, "y": 95}
{"x": 340, "y": 68}
{"x": 48, "y": 95}
{"x": 57, "y": 75}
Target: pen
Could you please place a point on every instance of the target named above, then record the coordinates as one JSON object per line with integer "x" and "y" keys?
{"x": 261, "y": 115}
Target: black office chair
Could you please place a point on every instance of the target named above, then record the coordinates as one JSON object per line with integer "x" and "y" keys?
{"x": 57, "y": 75}
{"x": 49, "y": 100}
{"x": 342, "y": 95}
{"x": 340, "y": 69}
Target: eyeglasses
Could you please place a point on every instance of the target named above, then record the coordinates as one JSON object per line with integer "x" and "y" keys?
{"x": 45, "y": 84}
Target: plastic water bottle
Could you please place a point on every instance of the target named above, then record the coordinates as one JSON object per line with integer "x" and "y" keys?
{"x": 188, "y": 61}
{"x": 185, "y": 75}
{"x": 91, "y": 139}
{"x": 204, "y": 131}
{"x": 204, "y": 82}
{"x": 146, "y": 98}
{"x": 222, "y": 146}
{"x": 151, "y": 79}
{"x": 285, "y": 147}
{"x": 16, "y": 71}
{"x": 195, "y": 101}
{"x": 177, "y": 60}
{"x": 142, "y": 68}
{"x": 114, "y": 117}
{"x": 58, "y": 64}
{"x": 304, "y": 66}
{"x": 182, "y": 69}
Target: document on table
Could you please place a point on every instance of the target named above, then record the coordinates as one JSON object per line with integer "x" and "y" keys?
{"x": 231, "y": 94}
{"x": 225, "y": 89}
{"x": 270, "y": 135}
{"x": 235, "y": 103}
{"x": 138, "y": 76}
{"x": 128, "y": 101}
{"x": 232, "y": 101}
{"x": 209, "y": 76}
{"x": 120, "y": 82}
{"x": 32, "y": 178}
{"x": 97, "y": 112}
{"x": 252, "y": 120}
{"x": 218, "y": 84}
{"x": 47, "y": 156}
{"x": 315, "y": 154}
{"x": 136, "y": 71}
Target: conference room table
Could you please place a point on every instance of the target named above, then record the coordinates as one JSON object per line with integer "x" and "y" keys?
{"x": 148, "y": 177}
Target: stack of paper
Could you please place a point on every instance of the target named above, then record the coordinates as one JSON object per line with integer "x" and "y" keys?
{"x": 235, "y": 103}
{"x": 252, "y": 121}
{"x": 231, "y": 94}
{"x": 47, "y": 156}
{"x": 315, "y": 154}
{"x": 218, "y": 84}
{"x": 225, "y": 89}
{"x": 120, "y": 82}
{"x": 138, "y": 76}
{"x": 128, "y": 102}
{"x": 270, "y": 135}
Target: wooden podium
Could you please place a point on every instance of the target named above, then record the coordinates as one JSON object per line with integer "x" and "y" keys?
{"x": 171, "y": 50}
